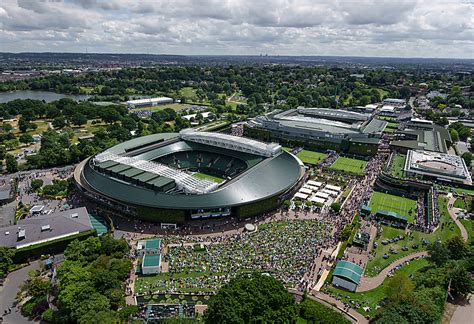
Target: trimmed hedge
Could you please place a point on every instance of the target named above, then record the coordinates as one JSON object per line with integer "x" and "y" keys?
{"x": 257, "y": 208}
{"x": 161, "y": 215}
{"x": 51, "y": 247}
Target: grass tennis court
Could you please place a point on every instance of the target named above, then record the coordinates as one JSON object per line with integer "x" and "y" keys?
{"x": 349, "y": 165}
{"x": 397, "y": 166}
{"x": 206, "y": 176}
{"x": 397, "y": 204}
{"x": 311, "y": 157}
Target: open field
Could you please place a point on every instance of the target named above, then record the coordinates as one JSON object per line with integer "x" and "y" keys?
{"x": 206, "y": 176}
{"x": 443, "y": 232}
{"x": 349, "y": 165}
{"x": 188, "y": 93}
{"x": 311, "y": 157}
{"x": 397, "y": 166}
{"x": 400, "y": 205}
{"x": 373, "y": 297}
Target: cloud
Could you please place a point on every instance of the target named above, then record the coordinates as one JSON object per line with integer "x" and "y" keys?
{"x": 296, "y": 27}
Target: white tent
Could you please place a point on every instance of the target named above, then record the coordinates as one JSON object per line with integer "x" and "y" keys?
{"x": 301, "y": 196}
{"x": 330, "y": 192}
{"x": 318, "y": 200}
{"x": 321, "y": 195}
{"x": 335, "y": 188}
{"x": 314, "y": 183}
{"x": 311, "y": 187}
{"x": 306, "y": 191}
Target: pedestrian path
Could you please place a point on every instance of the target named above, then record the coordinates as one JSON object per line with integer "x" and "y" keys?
{"x": 369, "y": 283}
{"x": 452, "y": 212}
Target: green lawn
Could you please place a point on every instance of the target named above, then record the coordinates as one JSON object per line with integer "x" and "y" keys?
{"x": 188, "y": 93}
{"x": 397, "y": 166}
{"x": 206, "y": 176}
{"x": 391, "y": 203}
{"x": 459, "y": 203}
{"x": 389, "y": 130}
{"x": 311, "y": 157}
{"x": 349, "y": 165}
{"x": 373, "y": 297}
{"x": 469, "y": 225}
{"x": 377, "y": 263}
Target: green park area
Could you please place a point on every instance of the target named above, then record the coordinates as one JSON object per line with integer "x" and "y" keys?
{"x": 174, "y": 106}
{"x": 374, "y": 297}
{"x": 311, "y": 157}
{"x": 206, "y": 176}
{"x": 391, "y": 203}
{"x": 349, "y": 165}
{"x": 189, "y": 93}
{"x": 413, "y": 241}
{"x": 398, "y": 163}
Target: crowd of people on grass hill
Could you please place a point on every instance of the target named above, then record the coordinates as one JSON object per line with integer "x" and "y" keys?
{"x": 286, "y": 249}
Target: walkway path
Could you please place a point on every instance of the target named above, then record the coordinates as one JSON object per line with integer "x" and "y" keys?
{"x": 369, "y": 283}
{"x": 463, "y": 313}
{"x": 452, "y": 212}
{"x": 8, "y": 293}
{"x": 340, "y": 305}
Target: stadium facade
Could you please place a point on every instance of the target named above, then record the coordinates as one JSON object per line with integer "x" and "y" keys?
{"x": 321, "y": 128}
{"x": 165, "y": 177}
{"x": 434, "y": 165}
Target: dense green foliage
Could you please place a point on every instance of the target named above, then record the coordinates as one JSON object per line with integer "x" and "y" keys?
{"x": 315, "y": 312}
{"x": 252, "y": 298}
{"x": 6, "y": 260}
{"x": 91, "y": 280}
{"x": 421, "y": 299}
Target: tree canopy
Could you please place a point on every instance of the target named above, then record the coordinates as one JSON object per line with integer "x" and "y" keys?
{"x": 252, "y": 298}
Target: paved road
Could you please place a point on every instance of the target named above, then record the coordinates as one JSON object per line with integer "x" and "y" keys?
{"x": 8, "y": 292}
{"x": 452, "y": 212}
{"x": 464, "y": 313}
{"x": 369, "y": 283}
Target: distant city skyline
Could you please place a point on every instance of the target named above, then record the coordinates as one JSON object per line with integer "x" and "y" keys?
{"x": 404, "y": 28}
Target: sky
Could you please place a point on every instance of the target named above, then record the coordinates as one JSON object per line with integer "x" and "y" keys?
{"x": 397, "y": 28}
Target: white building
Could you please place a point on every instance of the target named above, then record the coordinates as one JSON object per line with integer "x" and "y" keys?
{"x": 148, "y": 102}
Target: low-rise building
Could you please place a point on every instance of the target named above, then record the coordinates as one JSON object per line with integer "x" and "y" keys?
{"x": 445, "y": 167}
{"x": 148, "y": 102}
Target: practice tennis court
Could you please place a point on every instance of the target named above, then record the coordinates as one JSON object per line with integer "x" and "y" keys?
{"x": 391, "y": 203}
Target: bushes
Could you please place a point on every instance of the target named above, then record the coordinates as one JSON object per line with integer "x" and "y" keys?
{"x": 34, "y": 306}
{"x": 315, "y": 312}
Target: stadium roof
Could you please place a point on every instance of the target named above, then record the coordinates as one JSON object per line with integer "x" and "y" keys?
{"x": 265, "y": 178}
{"x": 430, "y": 138}
{"x": 349, "y": 271}
{"x": 449, "y": 167}
{"x": 230, "y": 142}
{"x": 334, "y": 113}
